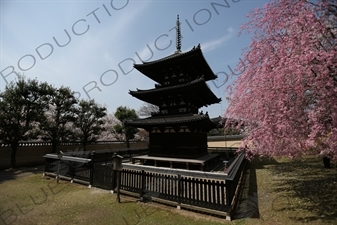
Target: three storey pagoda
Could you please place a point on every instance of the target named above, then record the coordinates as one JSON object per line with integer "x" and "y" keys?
{"x": 178, "y": 132}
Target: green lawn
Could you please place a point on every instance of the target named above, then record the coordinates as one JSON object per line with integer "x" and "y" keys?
{"x": 276, "y": 192}
{"x": 36, "y": 200}
{"x": 283, "y": 191}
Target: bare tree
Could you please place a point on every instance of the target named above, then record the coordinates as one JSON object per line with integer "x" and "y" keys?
{"x": 147, "y": 109}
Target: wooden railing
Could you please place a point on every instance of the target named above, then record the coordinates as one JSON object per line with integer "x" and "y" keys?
{"x": 81, "y": 165}
{"x": 69, "y": 167}
{"x": 209, "y": 192}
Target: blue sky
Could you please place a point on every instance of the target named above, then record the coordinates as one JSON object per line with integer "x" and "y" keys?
{"x": 107, "y": 37}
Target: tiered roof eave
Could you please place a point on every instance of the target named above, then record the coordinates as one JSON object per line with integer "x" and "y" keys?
{"x": 153, "y": 69}
{"x": 173, "y": 120}
{"x": 198, "y": 87}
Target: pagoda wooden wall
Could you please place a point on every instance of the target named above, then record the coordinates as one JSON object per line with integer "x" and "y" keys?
{"x": 178, "y": 145}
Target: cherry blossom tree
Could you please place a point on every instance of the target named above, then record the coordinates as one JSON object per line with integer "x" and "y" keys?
{"x": 286, "y": 92}
{"x": 108, "y": 133}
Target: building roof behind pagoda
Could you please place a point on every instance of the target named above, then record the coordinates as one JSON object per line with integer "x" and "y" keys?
{"x": 194, "y": 57}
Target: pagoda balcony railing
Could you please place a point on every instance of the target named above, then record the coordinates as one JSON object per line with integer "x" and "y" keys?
{"x": 173, "y": 112}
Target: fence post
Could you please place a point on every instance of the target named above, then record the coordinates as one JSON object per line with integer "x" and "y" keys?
{"x": 117, "y": 166}
{"x": 228, "y": 194}
{"x": 130, "y": 153}
{"x": 142, "y": 192}
{"x": 72, "y": 172}
{"x": 46, "y": 167}
{"x": 179, "y": 191}
{"x": 92, "y": 162}
{"x": 114, "y": 183}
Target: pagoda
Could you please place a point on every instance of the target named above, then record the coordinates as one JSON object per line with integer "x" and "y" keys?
{"x": 178, "y": 131}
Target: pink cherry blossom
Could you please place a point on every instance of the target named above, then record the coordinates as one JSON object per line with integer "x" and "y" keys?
{"x": 287, "y": 91}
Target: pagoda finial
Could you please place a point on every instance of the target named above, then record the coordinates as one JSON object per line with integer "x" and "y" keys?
{"x": 178, "y": 41}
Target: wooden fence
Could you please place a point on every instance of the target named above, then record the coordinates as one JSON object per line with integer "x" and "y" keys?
{"x": 209, "y": 192}
{"x": 83, "y": 166}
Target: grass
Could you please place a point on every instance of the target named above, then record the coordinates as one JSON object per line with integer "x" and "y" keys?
{"x": 277, "y": 191}
{"x": 33, "y": 199}
{"x": 283, "y": 191}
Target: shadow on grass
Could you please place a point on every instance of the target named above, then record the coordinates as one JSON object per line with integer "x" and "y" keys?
{"x": 248, "y": 205}
{"x": 129, "y": 201}
{"x": 304, "y": 186}
{"x": 13, "y": 173}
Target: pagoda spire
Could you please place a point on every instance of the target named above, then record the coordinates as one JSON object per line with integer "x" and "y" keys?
{"x": 178, "y": 36}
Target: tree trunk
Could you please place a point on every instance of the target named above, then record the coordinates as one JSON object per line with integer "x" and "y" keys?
{"x": 54, "y": 147}
{"x": 13, "y": 154}
{"x": 127, "y": 142}
{"x": 326, "y": 162}
{"x": 84, "y": 146}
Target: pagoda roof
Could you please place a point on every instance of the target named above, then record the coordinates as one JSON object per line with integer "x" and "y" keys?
{"x": 154, "y": 69}
{"x": 173, "y": 120}
{"x": 198, "y": 88}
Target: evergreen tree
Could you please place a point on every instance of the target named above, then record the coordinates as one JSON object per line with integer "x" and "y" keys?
{"x": 59, "y": 115}
{"x": 88, "y": 122}
{"x": 21, "y": 107}
{"x": 123, "y": 114}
